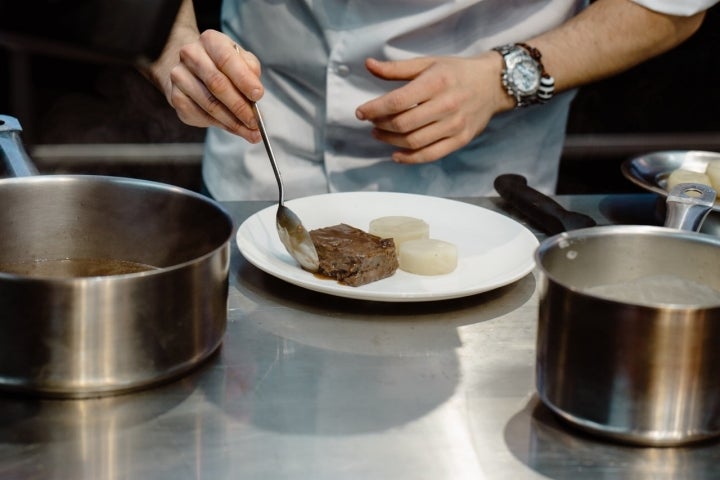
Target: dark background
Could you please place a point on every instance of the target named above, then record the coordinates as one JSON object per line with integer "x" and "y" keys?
{"x": 671, "y": 101}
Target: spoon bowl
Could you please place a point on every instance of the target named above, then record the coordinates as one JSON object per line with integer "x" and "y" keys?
{"x": 292, "y": 233}
{"x": 295, "y": 238}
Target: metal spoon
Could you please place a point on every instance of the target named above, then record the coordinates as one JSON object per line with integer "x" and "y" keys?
{"x": 292, "y": 234}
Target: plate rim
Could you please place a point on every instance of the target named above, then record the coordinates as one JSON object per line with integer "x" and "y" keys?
{"x": 331, "y": 287}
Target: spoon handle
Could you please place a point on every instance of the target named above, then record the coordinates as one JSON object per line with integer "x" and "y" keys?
{"x": 268, "y": 149}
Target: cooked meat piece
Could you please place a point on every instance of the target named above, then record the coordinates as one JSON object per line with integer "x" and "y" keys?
{"x": 352, "y": 256}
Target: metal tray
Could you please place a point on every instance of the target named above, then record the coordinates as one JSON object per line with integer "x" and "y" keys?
{"x": 650, "y": 171}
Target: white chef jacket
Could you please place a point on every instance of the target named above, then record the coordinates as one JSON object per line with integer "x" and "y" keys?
{"x": 677, "y": 7}
{"x": 312, "y": 54}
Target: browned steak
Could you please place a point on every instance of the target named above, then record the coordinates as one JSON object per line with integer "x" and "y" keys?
{"x": 354, "y": 257}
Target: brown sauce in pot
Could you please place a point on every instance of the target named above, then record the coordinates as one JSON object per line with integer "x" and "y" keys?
{"x": 74, "y": 267}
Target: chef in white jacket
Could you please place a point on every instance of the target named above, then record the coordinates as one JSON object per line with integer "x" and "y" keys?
{"x": 424, "y": 96}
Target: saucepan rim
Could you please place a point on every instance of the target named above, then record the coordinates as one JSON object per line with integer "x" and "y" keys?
{"x": 567, "y": 239}
{"x": 160, "y": 187}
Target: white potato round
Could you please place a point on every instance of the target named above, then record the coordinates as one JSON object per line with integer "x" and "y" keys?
{"x": 686, "y": 176}
{"x": 713, "y": 172}
{"x": 428, "y": 257}
{"x": 399, "y": 228}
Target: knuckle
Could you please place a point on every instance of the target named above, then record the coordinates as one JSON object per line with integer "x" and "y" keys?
{"x": 207, "y": 36}
{"x": 185, "y": 52}
{"x": 188, "y": 118}
{"x": 396, "y": 102}
{"x": 415, "y": 141}
{"x": 239, "y": 109}
{"x": 216, "y": 82}
{"x": 443, "y": 81}
{"x": 178, "y": 100}
{"x": 215, "y": 77}
{"x": 213, "y": 105}
{"x": 453, "y": 104}
{"x": 420, "y": 158}
{"x": 458, "y": 123}
{"x": 176, "y": 74}
{"x": 397, "y": 124}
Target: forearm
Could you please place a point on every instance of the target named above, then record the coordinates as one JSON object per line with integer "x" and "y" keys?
{"x": 608, "y": 37}
{"x": 184, "y": 30}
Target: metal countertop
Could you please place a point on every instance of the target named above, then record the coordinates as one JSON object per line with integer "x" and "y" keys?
{"x": 310, "y": 386}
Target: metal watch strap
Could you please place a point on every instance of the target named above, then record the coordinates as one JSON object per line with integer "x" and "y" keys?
{"x": 546, "y": 88}
{"x": 547, "y": 82}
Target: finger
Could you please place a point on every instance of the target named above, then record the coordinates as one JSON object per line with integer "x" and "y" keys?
{"x": 254, "y": 64}
{"x": 421, "y": 137}
{"x": 398, "y": 69}
{"x": 399, "y": 100}
{"x": 207, "y": 60}
{"x": 393, "y": 103}
{"x": 190, "y": 99}
{"x": 413, "y": 118}
{"x": 189, "y": 95}
{"x": 190, "y": 113}
{"x": 431, "y": 153}
{"x": 440, "y": 107}
{"x": 201, "y": 80}
{"x": 455, "y": 129}
{"x": 240, "y": 66}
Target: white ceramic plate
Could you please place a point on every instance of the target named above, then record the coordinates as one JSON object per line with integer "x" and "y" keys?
{"x": 651, "y": 171}
{"x": 493, "y": 250}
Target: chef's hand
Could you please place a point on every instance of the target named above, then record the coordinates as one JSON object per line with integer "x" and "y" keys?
{"x": 446, "y": 102}
{"x": 209, "y": 80}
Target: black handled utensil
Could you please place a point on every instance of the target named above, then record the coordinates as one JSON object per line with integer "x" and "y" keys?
{"x": 539, "y": 209}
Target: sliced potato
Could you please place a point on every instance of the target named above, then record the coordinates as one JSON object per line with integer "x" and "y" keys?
{"x": 428, "y": 257}
{"x": 713, "y": 172}
{"x": 400, "y": 228}
{"x": 686, "y": 176}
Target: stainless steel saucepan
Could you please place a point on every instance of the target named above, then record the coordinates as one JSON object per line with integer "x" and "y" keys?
{"x": 107, "y": 284}
{"x": 628, "y": 343}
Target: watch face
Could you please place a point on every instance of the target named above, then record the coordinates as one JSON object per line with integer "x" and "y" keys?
{"x": 525, "y": 77}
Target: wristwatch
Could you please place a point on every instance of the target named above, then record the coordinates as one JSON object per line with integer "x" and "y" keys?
{"x": 524, "y": 76}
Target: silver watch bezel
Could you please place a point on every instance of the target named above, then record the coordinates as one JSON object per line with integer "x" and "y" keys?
{"x": 516, "y": 57}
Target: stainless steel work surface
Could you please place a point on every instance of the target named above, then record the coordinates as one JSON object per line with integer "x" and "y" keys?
{"x": 310, "y": 386}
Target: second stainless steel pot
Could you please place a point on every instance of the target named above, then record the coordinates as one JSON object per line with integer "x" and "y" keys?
{"x": 628, "y": 332}
{"x": 629, "y": 320}
{"x": 638, "y": 370}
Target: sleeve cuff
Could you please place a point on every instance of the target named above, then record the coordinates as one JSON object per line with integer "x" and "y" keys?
{"x": 684, "y": 8}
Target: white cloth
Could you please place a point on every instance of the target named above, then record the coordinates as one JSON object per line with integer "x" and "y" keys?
{"x": 677, "y": 7}
{"x": 313, "y": 53}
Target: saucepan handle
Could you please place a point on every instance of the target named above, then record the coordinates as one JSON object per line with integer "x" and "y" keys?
{"x": 688, "y": 204}
{"x": 540, "y": 210}
{"x": 15, "y": 159}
